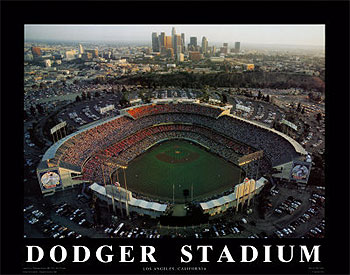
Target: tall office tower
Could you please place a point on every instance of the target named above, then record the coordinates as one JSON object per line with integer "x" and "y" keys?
{"x": 226, "y": 45}
{"x": 213, "y": 50}
{"x": 177, "y": 44}
{"x": 204, "y": 45}
{"x": 193, "y": 44}
{"x": 155, "y": 42}
{"x": 36, "y": 51}
{"x": 193, "y": 41}
{"x": 81, "y": 49}
{"x": 173, "y": 32}
{"x": 237, "y": 47}
{"x": 168, "y": 43}
{"x": 183, "y": 42}
{"x": 162, "y": 39}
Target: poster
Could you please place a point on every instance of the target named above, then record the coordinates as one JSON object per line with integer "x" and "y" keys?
{"x": 199, "y": 251}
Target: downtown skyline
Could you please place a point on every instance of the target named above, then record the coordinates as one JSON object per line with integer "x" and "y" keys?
{"x": 284, "y": 35}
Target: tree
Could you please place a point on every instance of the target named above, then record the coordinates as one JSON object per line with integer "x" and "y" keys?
{"x": 299, "y": 107}
{"x": 40, "y": 109}
{"x": 77, "y": 99}
{"x": 224, "y": 98}
{"x": 32, "y": 110}
{"x": 124, "y": 101}
{"x": 259, "y": 95}
{"x": 97, "y": 94}
{"x": 25, "y": 115}
{"x": 83, "y": 96}
{"x": 318, "y": 117}
{"x": 303, "y": 110}
{"x": 88, "y": 95}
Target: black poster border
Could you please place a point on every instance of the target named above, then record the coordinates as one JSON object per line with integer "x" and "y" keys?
{"x": 335, "y": 247}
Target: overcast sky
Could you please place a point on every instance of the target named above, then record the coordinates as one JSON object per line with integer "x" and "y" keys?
{"x": 312, "y": 35}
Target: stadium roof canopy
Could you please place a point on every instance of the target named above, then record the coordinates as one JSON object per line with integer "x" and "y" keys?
{"x": 134, "y": 202}
{"x": 229, "y": 198}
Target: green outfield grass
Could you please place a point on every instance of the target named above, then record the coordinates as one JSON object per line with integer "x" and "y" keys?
{"x": 181, "y": 164}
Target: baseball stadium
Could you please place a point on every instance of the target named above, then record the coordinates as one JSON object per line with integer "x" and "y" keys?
{"x": 155, "y": 157}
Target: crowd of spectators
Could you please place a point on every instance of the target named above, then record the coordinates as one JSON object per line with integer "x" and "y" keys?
{"x": 181, "y": 108}
{"x": 131, "y": 147}
{"x": 126, "y": 138}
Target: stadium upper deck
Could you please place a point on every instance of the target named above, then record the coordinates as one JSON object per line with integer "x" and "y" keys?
{"x": 72, "y": 151}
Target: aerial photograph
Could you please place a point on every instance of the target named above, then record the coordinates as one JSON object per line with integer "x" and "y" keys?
{"x": 174, "y": 131}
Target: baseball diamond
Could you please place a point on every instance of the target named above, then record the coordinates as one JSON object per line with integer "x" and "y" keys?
{"x": 181, "y": 165}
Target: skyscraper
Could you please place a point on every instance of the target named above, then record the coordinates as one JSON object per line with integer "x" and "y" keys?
{"x": 155, "y": 42}
{"x": 168, "y": 43}
{"x": 183, "y": 42}
{"x": 177, "y": 44}
{"x": 162, "y": 39}
{"x": 173, "y": 32}
{"x": 204, "y": 45}
{"x": 193, "y": 41}
{"x": 193, "y": 44}
{"x": 81, "y": 49}
{"x": 237, "y": 47}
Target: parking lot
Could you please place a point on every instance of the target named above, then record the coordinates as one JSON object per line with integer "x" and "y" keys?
{"x": 69, "y": 214}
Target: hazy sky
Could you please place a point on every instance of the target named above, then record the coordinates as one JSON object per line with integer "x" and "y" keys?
{"x": 258, "y": 34}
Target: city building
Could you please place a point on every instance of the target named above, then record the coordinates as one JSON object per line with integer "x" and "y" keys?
{"x": 95, "y": 53}
{"x": 183, "y": 42}
{"x": 173, "y": 32}
{"x": 170, "y": 52}
{"x": 217, "y": 59}
{"x": 155, "y": 42}
{"x": 161, "y": 40}
{"x": 91, "y": 53}
{"x": 249, "y": 67}
{"x": 47, "y": 63}
{"x": 163, "y": 51}
{"x": 212, "y": 50}
{"x": 180, "y": 57}
{"x": 86, "y": 55}
{"x": 177, "y": 44}
{"x": 81, "y": 49}
{"x": 224, "y": 49}
{"x": 193, "y": 44}
{"x": 195, "y": 56}
{"x": 168, "y": 43}
{"x": 237, "y": 47}
{"x": 36, "y": 52}
{"x": 193, "y": 41}
{"x": 204, "y": 45}
{"x": 70, "y": 55}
